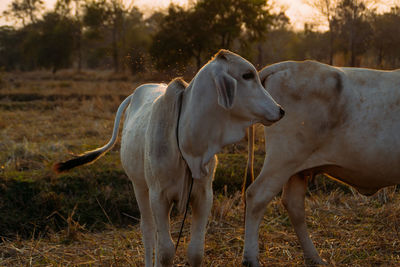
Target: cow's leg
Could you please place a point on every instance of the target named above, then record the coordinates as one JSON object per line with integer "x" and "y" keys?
{"x": 267, "y": 185}
{"x": 165, "y": 249}
{"x": 201, "y": 208}
{"x": 293, "y": 196}
{"x": 146, "y": 223}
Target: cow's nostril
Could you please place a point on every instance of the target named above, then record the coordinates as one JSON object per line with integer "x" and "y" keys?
{"x": 282, "y": 112}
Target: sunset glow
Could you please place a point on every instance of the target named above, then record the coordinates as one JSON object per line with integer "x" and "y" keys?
{"x": 298, "y": 12}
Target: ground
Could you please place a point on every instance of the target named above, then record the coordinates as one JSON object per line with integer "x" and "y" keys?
{"x": 89, "y": 216}
{"x": 347, "y": 230}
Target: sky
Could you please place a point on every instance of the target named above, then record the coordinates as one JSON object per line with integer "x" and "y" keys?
{"x": 298, "y": 12}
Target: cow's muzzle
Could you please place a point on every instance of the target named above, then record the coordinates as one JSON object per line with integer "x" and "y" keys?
{"x": 269, "y": 121}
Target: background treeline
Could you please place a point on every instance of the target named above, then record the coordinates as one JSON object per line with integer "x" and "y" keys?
{"x": 107, "y": 34}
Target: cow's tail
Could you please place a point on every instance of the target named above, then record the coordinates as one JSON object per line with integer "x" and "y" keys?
{"x": 91, "y": 156}
{"x": 249, "y": 174}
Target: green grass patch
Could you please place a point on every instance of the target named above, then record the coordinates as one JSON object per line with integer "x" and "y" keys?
{"x": 231, "y": 169}
{"x": 94, "y": 196}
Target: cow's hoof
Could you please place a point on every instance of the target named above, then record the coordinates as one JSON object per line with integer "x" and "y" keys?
{"x": 248, "y": 263}
{"x": 195, "y": 259}
{"x": 315, "y": 262}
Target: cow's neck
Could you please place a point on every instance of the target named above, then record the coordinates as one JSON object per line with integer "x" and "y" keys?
{"x": 205, "y": 127}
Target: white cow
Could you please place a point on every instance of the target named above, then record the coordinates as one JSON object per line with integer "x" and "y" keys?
{"x": 172, "y": 133}
{"x": 344, "y": 122}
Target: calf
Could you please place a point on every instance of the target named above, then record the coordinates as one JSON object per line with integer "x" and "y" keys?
{"x": 344, "y": 122}
{"x": 171, "y": 134}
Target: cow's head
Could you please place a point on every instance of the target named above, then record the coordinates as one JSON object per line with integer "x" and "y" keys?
{"x": 225, "y": 97}
{"x": 240, "y": 91}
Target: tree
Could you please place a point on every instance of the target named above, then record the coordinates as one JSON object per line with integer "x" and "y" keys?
{"x": 24, "y": 10}
{"x": 137, "y": 39}
{"x": 353, "y": 28}
{"x": 107, "y": 19}
{"x": 65, "y": 9}
{"x": 270, "y": 49}
{"x": 56, "y": 37}
{"x": 209, "y": 25}
{"x": 231, "y": 18}
{"x": 327, "y": 9}
{"x": 47, "y": 43}
{"x": 315, "y": 44}
{"x": 9, "y": 48}
{"x": 170, "y": 48}
{"x": 386, "y": 37}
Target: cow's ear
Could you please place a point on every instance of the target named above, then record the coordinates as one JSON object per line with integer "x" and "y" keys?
{"x": 226, "y": 89}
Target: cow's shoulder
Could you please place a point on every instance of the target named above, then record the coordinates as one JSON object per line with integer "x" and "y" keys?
{"x": 162, "y": 128}
{"x": 175, "y": 88}
{"x": 170, "y": 99}
{"x": 314, "y": 81}
{"x": 318, "y": 89}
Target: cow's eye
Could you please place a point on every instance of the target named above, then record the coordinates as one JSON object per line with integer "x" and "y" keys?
{"x": 248, "y": 76}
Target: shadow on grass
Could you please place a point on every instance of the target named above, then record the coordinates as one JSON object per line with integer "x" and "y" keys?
{"x": 30, "y": 206}
{"x": 32, "y": 203}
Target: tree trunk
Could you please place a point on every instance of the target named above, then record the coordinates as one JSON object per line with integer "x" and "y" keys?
{"x": 260, "y": 56}
{"x": 330, "y": 43}
{"x": 78, "y": 35}
{"x": 223, "y": 40}
{"x": 31, "y": 10}
{"x": 380, "y": 57}
{"x": 351, "y": 44}
{"x": 198, "y": 60}
{"x": 123, "y": 45}
{"x": 228, "y": 42}
{"x": 115, "y": 48}
{"x": 353, "y": 54}
{"x": 79, "y": 48}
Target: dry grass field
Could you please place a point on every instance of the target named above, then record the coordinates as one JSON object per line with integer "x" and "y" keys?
{"x": 88, "y": 217}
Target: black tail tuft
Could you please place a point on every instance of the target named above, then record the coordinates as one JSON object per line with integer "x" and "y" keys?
{"x": 78, "y": 161}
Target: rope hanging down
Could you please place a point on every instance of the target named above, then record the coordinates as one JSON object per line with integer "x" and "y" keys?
{"x": 191, "y": 177}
